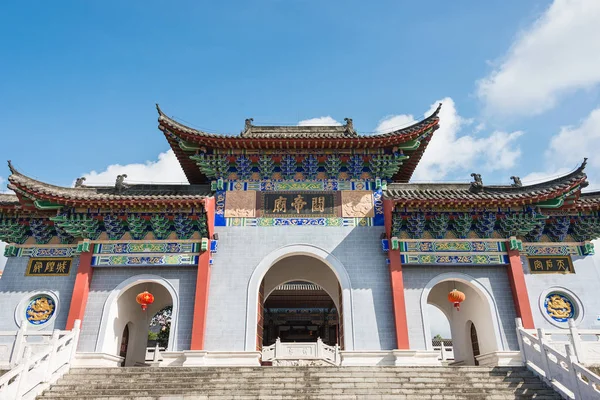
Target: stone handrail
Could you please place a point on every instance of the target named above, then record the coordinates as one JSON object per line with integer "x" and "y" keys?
{"x": 562, "y": 372}
{"x": 36, "y": 372}
{"x": 446, "y": 351}
{"x": 282, "y": 352}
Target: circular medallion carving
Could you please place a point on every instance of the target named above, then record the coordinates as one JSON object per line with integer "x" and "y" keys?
{"x": 559, "y": 307}
{"x": 40, "y": 309}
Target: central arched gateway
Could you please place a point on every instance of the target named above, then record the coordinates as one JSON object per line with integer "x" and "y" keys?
{"x": 299, "y": 263}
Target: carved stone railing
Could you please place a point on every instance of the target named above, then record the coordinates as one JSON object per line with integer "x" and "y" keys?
{"x": 34, "y": 372}
{"x": 446, "y": 351}
{"x": 313, "y": 353}
{"x": 561, "y": 371}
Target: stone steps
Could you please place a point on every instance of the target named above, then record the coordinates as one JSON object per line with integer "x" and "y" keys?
{"x": 296, "y": 383}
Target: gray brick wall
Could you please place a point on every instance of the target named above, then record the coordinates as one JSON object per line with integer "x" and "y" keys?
{"x": 104, "y": 280}
{"x": 14, "y": 286}
{"x": 493, "y": 278}
{"x": 584, "y": 283}
{"x": 241, "y": 249}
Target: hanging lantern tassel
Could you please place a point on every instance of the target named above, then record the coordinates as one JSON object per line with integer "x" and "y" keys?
{"x": 456, "y": 297}
{"x": 145, "y": 299}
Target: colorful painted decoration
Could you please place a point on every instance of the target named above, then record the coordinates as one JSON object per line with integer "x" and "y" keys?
{"x": 456, "y": 297}
{"x": 145, "y": 299}
{"x": 40, "y": 309}
{"x": 559, "y": 307}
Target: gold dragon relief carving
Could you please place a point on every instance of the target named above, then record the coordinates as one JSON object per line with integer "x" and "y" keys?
{"x": 40, "y": 310}
{"x": 357, "y": 204}
{"x": 558, "y": 307}
{"x": 240, "y": 204}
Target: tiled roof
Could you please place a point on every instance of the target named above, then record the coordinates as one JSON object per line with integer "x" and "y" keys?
{"x": 463, "y": 194}
{"x": 299, "y": 132}
{"x": 589, "y": 200}
{"x": 154, "y": 194}
{"x": 8, "y": 199}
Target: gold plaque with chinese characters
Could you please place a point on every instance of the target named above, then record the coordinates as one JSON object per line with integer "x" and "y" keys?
{"x": 551, "y": 265}
{"x": 240, "y": 204}
{"x": 357, "y": 204}
{"x": 298, "y": 204}
{"x": 48, "y": 267}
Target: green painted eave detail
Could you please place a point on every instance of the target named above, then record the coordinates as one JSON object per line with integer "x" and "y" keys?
{"x": 410, "y": 145}
{"x": 553, "y": 203}
{"x": 187, "y": 146}
{"x": 46, "y": 205}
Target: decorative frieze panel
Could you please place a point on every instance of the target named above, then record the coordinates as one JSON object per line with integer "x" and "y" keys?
{"x": 144, "y": 260}
{"x": 146, "y": 247}
{"x": 456, "y": 259}
{"x": 452, "y": 246}
{"x": 358, "y": 204}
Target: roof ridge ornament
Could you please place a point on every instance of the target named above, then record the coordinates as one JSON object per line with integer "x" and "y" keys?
{"x": 11, "y": 168}
{"x": 516, "y": 181}
{"x": 477, "y": 184}
{"x": 120, "y": 183}
{"x": 248, "y": 124}
{"x": 349, "y": 124}
{"x": 79, "y": 182}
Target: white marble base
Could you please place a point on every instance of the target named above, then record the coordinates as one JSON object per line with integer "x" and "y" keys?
{"x": 96, "y": 360}
{"x": 500, "y": 359}
{"x": 199, "y": 358}
{"x": 366, "y": 358}
{"x": 416, "y": 357}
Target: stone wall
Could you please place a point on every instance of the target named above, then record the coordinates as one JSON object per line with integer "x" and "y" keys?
{"x": 493, "y": 278}
{"x": 15, "y": 286}
{"x": 104, "y": 280}
{"x": 241, "y": 249}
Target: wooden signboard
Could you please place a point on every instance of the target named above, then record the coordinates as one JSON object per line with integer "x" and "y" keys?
{"x": 551, "y": 265}
{"x": 49, "y": 267}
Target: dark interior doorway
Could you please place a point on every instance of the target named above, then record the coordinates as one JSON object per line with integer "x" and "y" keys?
{"x": 300, "y": 312}
{"x": 124, "y": 344}
{"x": 474, "y": 343}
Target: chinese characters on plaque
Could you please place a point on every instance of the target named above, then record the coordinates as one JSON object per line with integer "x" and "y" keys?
{"x": 551, "y": 265}
{"x": 48, "y": 267}
{"x": 304, "y": 204}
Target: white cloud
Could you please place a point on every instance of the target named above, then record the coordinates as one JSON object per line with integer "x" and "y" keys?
{"x": 559, "y": 53}
{"x": 164, "y": 170}
{"x": 569, "y": 147}
{"x": 321, "y": 121}
{"x": 451, "y": 153}
{"x": 393, "y": 122}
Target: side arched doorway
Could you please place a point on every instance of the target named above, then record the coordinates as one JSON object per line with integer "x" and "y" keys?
{"x": 322, "y": 274}
{"x": 475, "y": 328}
{"x": 123, "y": 319}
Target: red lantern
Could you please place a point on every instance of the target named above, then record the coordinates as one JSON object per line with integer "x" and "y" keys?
{"x": 456, "y": 297}
{"x": 145, "y": 299}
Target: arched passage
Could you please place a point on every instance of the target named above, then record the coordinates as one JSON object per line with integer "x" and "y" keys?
{"x": 299, "y": 263}
{"x": 477, "y": 313}
{"x": 121, "y": 310}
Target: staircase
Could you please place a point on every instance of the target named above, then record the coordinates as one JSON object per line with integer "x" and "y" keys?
{"x": 300, "y": 383}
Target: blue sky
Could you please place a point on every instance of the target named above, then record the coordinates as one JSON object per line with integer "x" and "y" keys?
{"x": 81, "y": 78}
{"x": 519, "y": 79}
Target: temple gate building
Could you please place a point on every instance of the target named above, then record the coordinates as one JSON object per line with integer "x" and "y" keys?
{"x": 309, "y": 239}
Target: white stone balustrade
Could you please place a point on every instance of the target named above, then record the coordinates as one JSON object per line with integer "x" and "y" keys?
{"x": 563, "y": 372}
{"x": 34, "y": 372}
{"x": 282, "y": 353}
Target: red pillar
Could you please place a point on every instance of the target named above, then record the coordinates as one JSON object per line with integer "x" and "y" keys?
{"x": 202, "y": 282}
{"x": 397, "y": 283}
{"x": 201, "y": 301}
{"x": 519, "y": 288}
{"x": 81, "y": 289}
